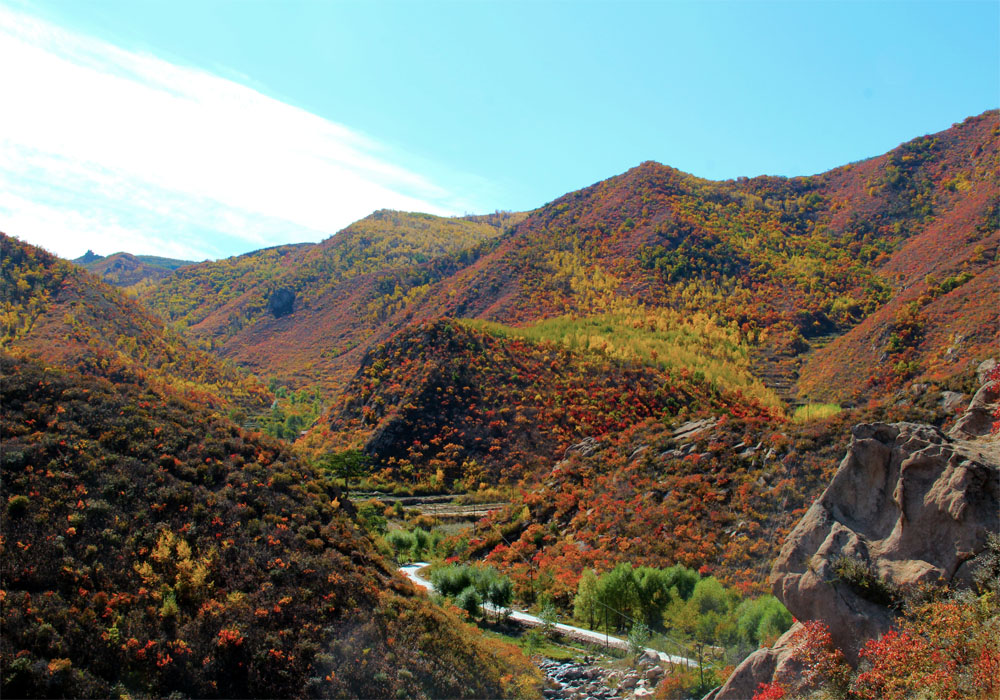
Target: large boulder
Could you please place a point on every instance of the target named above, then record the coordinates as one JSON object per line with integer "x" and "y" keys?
{"x": 776, "y": 664}
{"x": 908, "y": 504}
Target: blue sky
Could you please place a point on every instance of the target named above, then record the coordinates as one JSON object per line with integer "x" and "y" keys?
{"x": 205, "y": 129}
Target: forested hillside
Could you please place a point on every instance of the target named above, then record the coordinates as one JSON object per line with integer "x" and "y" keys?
{"x": 152, "y": 547}
{"x": 306, "y": 313}
{"x": 867, "y": 246}
{"x": 449, "y": 406}
{"x": 57, "y": 311}
{"x": 127, "y": 270}
{"x": 854, "y": 281}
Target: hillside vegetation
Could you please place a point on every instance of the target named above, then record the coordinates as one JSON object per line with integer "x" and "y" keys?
{"x": 130, "y": 271}
{"x": 449, "y": 406}
{"x": 344, "y": 290}
{"x": 54, "y": 310}
{"x": 151, "y": 547}
{"x": 890, "y": 258}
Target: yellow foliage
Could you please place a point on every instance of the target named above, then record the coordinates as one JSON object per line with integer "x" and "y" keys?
{"x": 660, "y": 337}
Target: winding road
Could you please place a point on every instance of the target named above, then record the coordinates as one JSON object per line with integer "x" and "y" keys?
{"x": 410, "y": 571}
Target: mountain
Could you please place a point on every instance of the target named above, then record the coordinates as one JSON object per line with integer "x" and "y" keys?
{"x": 306, "y": 313}
{"x": 56, "y": 311}
{"x": 127, "y": 270}
{"x": 851, "y": 254}
{"x": 882, "y": 269}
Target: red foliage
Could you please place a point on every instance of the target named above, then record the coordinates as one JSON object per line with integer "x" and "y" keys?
{"x": 769, "y": 691}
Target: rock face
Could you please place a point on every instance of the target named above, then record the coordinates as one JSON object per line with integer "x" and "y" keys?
{"x": 908, "y": 505}
{"x": 776, "y": 664}
{"x": 978, "y": 418}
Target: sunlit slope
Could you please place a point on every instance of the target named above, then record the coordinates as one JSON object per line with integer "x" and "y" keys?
{"x": 339, "y": 291}
{"x": 786, "y": 263}
{"x": 787, "y": 260}
{"x": 57, "y": 311}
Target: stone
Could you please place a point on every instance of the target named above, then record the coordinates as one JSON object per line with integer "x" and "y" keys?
{"x": 906, "y": 500}
{"x": 951, "y": 401}
{"x": 978, "y": 417}
{"x": 984, "y": 368}
{"x": 584, "y": 448}
{"x": 693, "y": 428}
{"x": 776, "y": 664}
{"x": 912, "y": 504}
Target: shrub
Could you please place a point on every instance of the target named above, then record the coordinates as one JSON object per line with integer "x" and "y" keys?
{"x": 862, "y": 577}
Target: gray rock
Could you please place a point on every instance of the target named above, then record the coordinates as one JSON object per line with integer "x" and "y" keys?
{"x": 951, "y": 401}
{"x": 584, "y": 448}
{"x": 983, "y": 369}
{"x": 907, "y": 499}
{"x": 693, "y": 428}
{"x": 776, "y": 664}
{"x": 978, "y": 417}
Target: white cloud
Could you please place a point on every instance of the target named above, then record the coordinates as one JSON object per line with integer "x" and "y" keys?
{"x": 110, "y": 149}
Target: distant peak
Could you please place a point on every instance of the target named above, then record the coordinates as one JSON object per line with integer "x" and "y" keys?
{"x": 88, "y": 257}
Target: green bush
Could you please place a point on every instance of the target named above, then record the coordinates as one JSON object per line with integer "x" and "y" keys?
{"x": 862, "y": 577}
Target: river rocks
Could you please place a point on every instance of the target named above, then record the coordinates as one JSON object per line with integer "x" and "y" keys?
{"x": 569, "y": 679}
{"x": 654, "y": 674}
{"x": 585, "y": 680}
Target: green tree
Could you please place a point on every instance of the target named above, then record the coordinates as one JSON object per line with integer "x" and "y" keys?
{"x": 401, "y": 541}
{"x": 585, "y": 605}
{"x": 653, "y": 587}
{"x": 617, "y": 590}
{"x": 469, "y": 601}
{"x": 346, "y": 465}
{"x": 761, "y": 620}
{"x": 499, "y": 594}
{"x": 638, "y": 638}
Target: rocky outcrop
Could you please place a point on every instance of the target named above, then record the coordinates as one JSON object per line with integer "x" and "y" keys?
{"x": 978, "y": 417}
{"x": 769, "y": 665}
{"x": 908, "y": 505}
